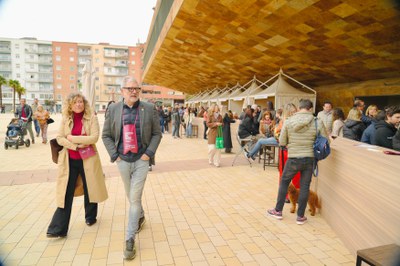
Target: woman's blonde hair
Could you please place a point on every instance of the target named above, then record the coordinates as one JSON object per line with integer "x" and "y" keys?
{"x": 354, "y": 114}
{"x": 289, "y": 110}
{"x": 372, "y": 106}
{"x": 70, "y": 100}
{"x": 39, "y": 107}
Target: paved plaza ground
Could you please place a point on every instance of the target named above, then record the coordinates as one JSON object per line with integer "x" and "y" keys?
{"x": 196, "y": 214}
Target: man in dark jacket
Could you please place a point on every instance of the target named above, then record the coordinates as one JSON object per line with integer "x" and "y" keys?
{"x": 385, "y": 130}
{"x": 368, "y": 135}
{"x": 24, "y": 112}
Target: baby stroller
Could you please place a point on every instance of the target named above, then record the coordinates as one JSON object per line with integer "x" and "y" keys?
{"x": 16, "y": 131}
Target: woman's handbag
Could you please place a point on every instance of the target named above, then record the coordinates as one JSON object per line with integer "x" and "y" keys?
{"x": 87, "y": 152}
{"x": 50, "y": 120}
{"x": 219, "y": 141}
{"x": 55, "y": 149}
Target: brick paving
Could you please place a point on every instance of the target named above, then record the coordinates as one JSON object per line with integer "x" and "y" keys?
{"x": 196, "y": 214}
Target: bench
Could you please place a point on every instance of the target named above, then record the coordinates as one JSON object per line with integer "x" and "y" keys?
{"x": 379, "y": 256}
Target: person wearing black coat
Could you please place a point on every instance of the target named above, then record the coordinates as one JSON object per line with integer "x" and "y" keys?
{"x": 385, "y": 130}
{"x": 353, "y": 126}
{"x": 396, "y": 141}
{"x": 226, "y": 129}
{"x": 246, "y": 127}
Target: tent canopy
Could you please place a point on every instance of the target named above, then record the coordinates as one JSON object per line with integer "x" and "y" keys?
{"x": 285, "y": 93}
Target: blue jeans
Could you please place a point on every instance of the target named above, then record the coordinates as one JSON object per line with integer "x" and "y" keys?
{"x": 294, "y": 165}
{"x": 134, "y": 176}
{"x": 37, "y": 126}
{"x": 175, "y": 130}
{"x": 162, "y": 125}
{"x": 189, "y": 130}
{"x": 260, "y": 142}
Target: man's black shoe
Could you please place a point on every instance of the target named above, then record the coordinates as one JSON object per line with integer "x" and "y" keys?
{"x": 52, "y": 235}
{"x": 91, "y": 222}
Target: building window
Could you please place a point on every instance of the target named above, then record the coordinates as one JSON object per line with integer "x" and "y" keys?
{"x": 58, "y": 76}
{"x": 72, "y": 86}
{"x": 17, "y": 56}
{"x": 97, "y": 51}
{"x": 72, "y": 68}
{"x": 32, "y": 96}
{"x": 59, "y": 97}
{"x": 31, "y": 66}
{"x": 58, "y": 68}
{"x": 97, "y": 78}
{"x": 18, "y": 75}
{"x": 17, "y": 66}
{"x": 97, "y": 69}
{"x": 96, "y": 60}
{"x": 133, "y": 62}
{"x": 71, "y": 59}
{"x": 59, "y": 86}
{"x": 133, "y": 53}
{"x": 71, "y": 77}
{"x": 71, "y": 50}
{"x": 31, "y": 56}
{"x": 58, "y": 48}
{"x": 16, "y": 46}
{"x": 58, "y": 58}
{"x": 97, "y": 87}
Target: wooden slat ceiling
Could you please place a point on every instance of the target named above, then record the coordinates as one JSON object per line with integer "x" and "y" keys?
{"x": 214, "y": 43}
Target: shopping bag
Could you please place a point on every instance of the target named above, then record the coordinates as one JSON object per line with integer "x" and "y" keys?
{"x": 219, "y": 142}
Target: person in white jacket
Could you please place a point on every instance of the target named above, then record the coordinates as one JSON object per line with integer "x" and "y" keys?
{"x": 188, "y": 118}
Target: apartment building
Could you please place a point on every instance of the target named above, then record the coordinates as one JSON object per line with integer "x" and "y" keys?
{"x": 53, "y": 70}
{"x": 30, "y": 62}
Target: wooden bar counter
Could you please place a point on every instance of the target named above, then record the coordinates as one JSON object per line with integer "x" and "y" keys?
{"x": 359, "y": 188}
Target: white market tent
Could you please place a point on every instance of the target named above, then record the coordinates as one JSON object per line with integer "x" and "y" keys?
{"x": 239, "y": 99}
{"x": 281, "y": 92}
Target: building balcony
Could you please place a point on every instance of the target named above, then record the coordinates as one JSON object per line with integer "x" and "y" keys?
{"x": 114, "y": 74}
{"x": 31, "y": 51}
{"x": 5, "y": 58}
{"x": 45, "y": 62}
{"x": 84, "y": 53}
{"x": 46, "y": 80}
{"x": 5, "y": 50}
{"x": 45, "y": 51}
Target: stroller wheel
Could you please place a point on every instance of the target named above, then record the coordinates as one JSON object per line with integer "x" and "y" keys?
{"x": 27, "y": 142}
{"x": 5, "y": 146}
{"x": 16, "y": 146}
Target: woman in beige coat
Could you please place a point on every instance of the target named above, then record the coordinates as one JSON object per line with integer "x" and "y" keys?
{"x": 213, "y": 121}
{"x": 79, "y": 129}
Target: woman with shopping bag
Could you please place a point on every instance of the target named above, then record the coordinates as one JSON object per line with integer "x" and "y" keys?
{"x": 214, "y": 122}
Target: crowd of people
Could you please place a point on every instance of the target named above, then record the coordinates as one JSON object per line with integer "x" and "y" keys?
{"x": 133, "y": 130}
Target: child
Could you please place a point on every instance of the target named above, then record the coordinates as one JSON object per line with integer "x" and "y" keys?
{"x": 13, "y": 128}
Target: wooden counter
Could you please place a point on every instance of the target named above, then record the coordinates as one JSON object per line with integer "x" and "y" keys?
{"x": 359, "y": 187}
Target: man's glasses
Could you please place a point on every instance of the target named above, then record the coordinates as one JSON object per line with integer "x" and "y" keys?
{"x": 130, "y": 89}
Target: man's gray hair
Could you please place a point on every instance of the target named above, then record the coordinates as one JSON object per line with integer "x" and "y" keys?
{"x": 128, "y": 79}
{"x": 305, "y": 104}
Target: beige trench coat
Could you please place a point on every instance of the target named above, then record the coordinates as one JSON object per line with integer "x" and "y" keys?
{"x": 93, "y": 169}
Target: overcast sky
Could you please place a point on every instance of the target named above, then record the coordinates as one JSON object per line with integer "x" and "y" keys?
{"x": 120, "y": 22}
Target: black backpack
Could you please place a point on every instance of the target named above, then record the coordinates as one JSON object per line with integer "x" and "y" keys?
{"x": 321, "y": 148}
